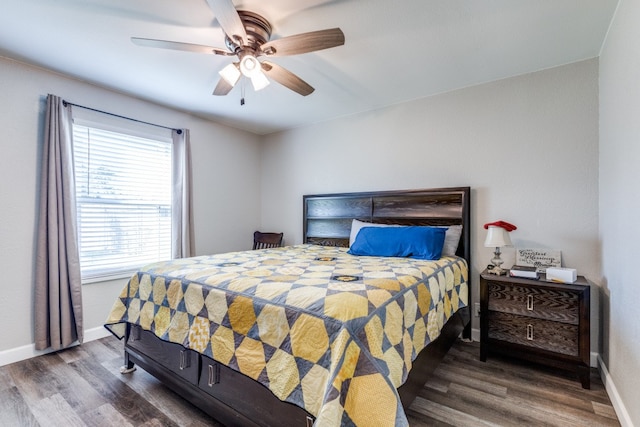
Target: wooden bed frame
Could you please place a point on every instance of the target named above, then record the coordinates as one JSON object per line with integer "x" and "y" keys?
{"x": 237, "y": 400}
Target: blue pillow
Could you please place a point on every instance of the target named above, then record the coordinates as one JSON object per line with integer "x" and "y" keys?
{"x": 410, "y": 242}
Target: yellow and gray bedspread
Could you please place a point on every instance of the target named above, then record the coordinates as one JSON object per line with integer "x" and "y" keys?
{"x": 333, "y": 333}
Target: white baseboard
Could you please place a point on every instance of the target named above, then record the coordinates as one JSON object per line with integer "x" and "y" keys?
{"x": 612, "y": 391}
{"x": 596, "y": 362}
{"x": 593, "y": 360}
{"x": 475, "y": 335}
{"x": 96, "y": 333}
{"x": 28, "y": 351}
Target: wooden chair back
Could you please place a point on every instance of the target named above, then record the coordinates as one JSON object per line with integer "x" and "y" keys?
{"x": 267, "y": 240}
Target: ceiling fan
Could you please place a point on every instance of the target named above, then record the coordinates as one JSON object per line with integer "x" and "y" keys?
{"x": 247, "y": 36}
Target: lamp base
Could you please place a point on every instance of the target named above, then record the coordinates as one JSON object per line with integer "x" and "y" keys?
{"x": 494, "y": 269}
{"x": 496, "y": 263}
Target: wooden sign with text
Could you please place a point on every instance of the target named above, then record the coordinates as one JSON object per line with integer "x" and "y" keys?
{"x": 539, "y": 258}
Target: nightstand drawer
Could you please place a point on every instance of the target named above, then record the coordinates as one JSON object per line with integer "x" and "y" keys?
{"x": 533, "y": 332}
{"x": 556, "y": 305}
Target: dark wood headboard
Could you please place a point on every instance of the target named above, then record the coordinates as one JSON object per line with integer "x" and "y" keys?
{"x": 328, "y": 217}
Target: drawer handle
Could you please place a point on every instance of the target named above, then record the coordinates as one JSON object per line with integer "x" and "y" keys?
{"x": 185, "y": 360}
{"x": 530, "y": 302}
{"x": 214, "y": 375}
{"x": 530, "y": 332}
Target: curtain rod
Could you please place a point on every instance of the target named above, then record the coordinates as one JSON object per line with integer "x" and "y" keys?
{"x": 65, "y": 103}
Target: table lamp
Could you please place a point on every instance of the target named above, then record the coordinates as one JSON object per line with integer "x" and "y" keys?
{"x": 497, "y": 237}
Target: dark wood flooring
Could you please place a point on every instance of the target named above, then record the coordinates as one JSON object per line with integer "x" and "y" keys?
{"x": 82, "y": 386}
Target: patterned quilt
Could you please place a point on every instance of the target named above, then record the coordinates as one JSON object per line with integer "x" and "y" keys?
{"x": 331, "y": 332}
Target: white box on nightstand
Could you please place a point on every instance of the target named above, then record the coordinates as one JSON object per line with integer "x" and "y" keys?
{"x": 564, "y": 275}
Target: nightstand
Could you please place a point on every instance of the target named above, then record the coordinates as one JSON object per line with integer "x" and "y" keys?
{"x": 543, "y": 322}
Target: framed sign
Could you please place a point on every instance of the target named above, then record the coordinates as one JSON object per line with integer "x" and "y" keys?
{"x": 539, "y": 258}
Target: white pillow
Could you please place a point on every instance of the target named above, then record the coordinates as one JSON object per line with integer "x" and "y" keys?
{"x": 357, "y": 225}
{"x": 451, "y": 238}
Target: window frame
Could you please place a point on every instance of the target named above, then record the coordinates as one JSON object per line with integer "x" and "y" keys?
{"x": 107, "y": 122}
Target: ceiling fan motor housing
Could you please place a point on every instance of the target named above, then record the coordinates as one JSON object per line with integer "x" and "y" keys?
{"x": 258, "y": 31}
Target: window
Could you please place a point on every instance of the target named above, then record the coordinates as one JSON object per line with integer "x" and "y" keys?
{"x": 123, "y": 196}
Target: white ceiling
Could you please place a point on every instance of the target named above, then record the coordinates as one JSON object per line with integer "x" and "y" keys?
{"x": 395, "y": 51}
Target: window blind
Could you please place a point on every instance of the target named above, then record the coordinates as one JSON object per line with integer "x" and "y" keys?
{"x": 123, "y": 191}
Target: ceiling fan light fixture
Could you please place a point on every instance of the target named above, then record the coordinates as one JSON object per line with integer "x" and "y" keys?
{"x": 259, "y": 81}
{"x": 249, "y": 66}
{"x": 231, "y": 74}
{"x": 252, "y": 68}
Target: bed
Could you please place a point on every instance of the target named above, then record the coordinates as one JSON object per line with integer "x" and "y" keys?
{"x": 306, "y": 334}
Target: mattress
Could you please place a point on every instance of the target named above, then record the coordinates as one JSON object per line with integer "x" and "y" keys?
{"x": 330, "y": 332}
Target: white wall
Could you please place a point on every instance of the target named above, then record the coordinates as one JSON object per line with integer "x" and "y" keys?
{"x": 226, "y": 182}
{"x": 527, "y": 146}
{"x": 620, "y": 204}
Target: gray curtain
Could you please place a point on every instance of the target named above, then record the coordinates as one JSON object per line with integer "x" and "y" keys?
{"x": 182, "y": 244}
{"x": 58, "y": 286}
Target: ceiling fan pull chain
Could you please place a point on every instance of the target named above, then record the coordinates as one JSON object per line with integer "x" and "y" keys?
{"x": 242, "y": 93}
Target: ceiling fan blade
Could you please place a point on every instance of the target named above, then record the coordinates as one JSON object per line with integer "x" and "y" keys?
{"x": 303, "y": 43}
{"x": 286, "y": 78}
{"x": 227, "y": 15}
{"x": 222, "y": 88}
{"x": 188, "y": 47}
